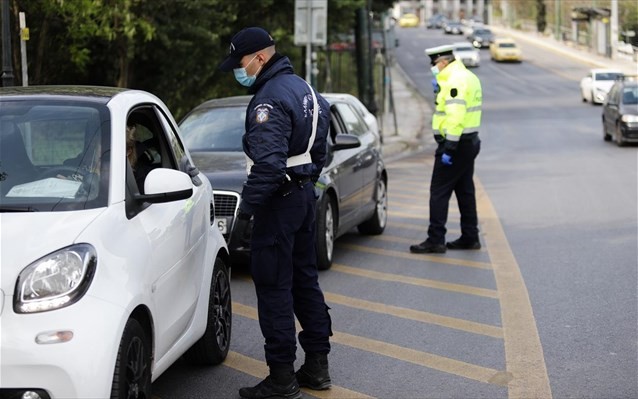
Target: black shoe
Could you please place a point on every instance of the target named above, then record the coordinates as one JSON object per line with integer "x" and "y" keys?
{"x": 269, "y": 389}
{"x": 464, "y": 244}
{"x": 314, "y": 372}
{"x": 427, "y": 247}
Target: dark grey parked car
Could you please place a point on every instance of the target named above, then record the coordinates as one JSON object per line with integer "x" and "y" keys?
{"x": 352, "y": 188}
{"x": 620, "y": 112}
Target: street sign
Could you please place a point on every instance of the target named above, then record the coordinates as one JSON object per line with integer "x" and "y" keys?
{"x": 311, "y": 16}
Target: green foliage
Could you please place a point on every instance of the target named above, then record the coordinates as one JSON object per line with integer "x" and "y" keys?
{"x": 171, "y": 48}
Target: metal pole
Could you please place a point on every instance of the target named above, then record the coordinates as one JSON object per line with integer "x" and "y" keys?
{"x": 23, "y": 49}
{"x": 7, "y": 68}
{"x": 614, "y": 29}
{"x": 309, "y": 41}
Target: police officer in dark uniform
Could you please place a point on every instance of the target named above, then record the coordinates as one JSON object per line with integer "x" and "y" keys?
{"x": 285, "y": 144}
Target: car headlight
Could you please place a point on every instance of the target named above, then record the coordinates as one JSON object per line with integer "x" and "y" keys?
{"x": 629, "y": 118}
{"x": 55, "y": 280}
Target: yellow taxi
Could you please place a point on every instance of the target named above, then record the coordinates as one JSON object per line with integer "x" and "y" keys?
{"x": 408, "y": 20}
{"x": 505, "y": 49}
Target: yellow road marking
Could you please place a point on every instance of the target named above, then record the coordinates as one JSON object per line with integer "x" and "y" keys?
{"x": 259, "y": 369}
{"x": 421, "y": 282}
{"x": 409, "y": 215}
{"x": 523, "y": 350}
{"x": 419, "y": 197}
{"x": 425, "y": 359}
{"x": 416, "y": 315}
{"x": 408, "y": 255}
{"x": 408, "y": 226}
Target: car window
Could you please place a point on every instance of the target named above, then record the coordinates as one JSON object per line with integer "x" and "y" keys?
{"x": 465, "y": 48}
{"x": 174, "y": 141}
{"x": 630, "y": 95}
{"x": 54, "y": 155}
{"x": 507, "y": 45}
{"x": 351, "y": 119}
{"x": 215, "y": 129}
{"x": 608, "y": 76}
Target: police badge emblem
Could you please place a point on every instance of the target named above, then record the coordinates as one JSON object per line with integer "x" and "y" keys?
{"x": 262, "y": 114}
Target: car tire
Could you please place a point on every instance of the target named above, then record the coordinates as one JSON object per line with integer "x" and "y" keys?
{"x": 620, "y": 142}
{"x": 132, "y": 375}
{"x": 212, "y": 348}
{"x": 606, "y": 136}
{"x": 326, "y": 232}
{"x": 377, "y": 222}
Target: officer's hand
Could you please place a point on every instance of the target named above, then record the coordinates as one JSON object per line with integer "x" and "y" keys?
{"x": 446, "y": 159}
{"x": 435, "y": 86}
{"x": 242, "y": 215}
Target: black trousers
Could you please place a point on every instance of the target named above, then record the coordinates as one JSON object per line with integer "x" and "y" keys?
{"x": 284, "y": 270}
{"x": 457, "y": 178}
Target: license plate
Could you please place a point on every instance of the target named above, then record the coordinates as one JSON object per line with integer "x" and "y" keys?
{"x": 222, "y": 225}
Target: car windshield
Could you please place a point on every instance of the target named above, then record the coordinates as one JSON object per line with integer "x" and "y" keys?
{"x": 465, "y": 48}
{"x": 630, "y": 95}
{"x": 507, "y": 45}
{"x": 608, "y": 75}
{"x": 214, "y": 129}
{"x": 54, "y": 155}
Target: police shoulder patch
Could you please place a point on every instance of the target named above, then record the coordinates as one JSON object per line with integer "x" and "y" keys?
{"x": 454, "y": 93}
{"x": 262, "y": 114}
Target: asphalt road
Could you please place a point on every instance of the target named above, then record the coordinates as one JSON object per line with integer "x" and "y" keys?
{"x": 546, "y": 309}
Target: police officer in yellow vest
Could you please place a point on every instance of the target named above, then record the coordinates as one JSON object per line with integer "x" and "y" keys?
{"x": 455, "y": 125}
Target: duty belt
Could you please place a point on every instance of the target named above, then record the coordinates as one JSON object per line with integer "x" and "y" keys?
{"x": 288, "y": 185}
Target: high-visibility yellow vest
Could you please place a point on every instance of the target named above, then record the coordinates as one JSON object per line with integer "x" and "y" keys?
{"x": 458, "y": 104}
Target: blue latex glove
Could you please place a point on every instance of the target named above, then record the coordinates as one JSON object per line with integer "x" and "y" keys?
{"x": 435, "y": 86}
{"x": 446, "y": 159}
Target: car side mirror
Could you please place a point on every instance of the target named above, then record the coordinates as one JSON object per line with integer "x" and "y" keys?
{"x": 166, "y": 185}
{"x": 345, "y": 141}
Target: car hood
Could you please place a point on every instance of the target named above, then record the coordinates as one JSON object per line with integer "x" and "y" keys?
{"x": 225, "y": 170}
{"x": 26, "y": 237}
{"x": 604, "y": 84}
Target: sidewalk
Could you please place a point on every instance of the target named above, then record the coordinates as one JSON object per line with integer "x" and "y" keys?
{"x": 413, "y": 118}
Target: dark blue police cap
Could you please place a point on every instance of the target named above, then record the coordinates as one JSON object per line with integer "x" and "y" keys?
{"x": 246, "y": 41}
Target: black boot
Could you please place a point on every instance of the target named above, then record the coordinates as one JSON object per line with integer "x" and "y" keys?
{"x": 281, "y": 383}
{"x": 314, "y": 372}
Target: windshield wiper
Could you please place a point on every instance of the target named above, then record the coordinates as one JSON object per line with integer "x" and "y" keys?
{"x": 9, "y": 208}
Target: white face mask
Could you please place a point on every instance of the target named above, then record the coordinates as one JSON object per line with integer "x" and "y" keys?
{"x": 435, "y": 70}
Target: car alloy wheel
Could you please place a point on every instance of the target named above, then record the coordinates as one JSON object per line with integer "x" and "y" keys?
{"x": 212, "y": 348}
{"x": 326, "y": 230}
{"x": 132, "y": 375}
{"x": 376, "y": 224}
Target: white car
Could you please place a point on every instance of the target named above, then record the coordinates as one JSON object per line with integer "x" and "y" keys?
{"x": 595, "y": 86}
{"x": 361, "y": 109}
{"x": 467, "y": 54}
{"x": 103, "y": 288}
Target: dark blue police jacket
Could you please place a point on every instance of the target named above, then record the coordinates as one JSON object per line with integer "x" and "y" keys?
{"x": 278, "y": 126}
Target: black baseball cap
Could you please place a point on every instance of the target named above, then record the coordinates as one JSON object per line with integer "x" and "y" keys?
{"x": 246, "y": 41}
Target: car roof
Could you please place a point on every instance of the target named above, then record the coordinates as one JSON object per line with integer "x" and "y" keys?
{"x": 98, "y": 93}
{"x": 462, "y": 44}
{"x": 504, "y": 40}
{"x": 605, "y": 70}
